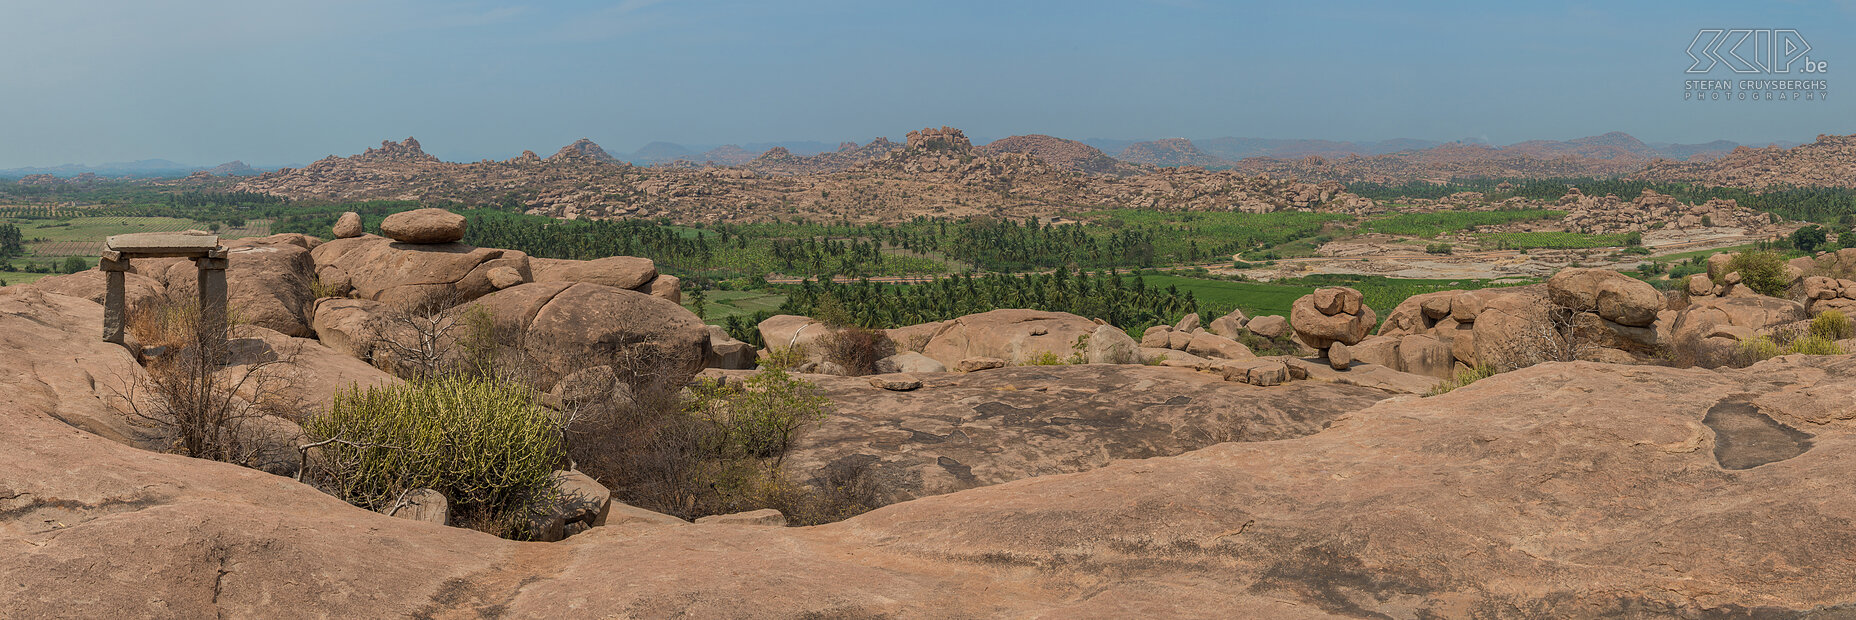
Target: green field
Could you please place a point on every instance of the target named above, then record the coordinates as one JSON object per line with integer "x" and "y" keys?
{"x": 1441, "y": 222}
{"x": 21, "y": 277}
{"x": 1254, "y": 298}
{"x": 723, "y": 304}
{"x": 84, "y": 235}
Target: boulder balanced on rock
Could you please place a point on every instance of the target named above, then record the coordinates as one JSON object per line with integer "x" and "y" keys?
{"x": 423, "y": 226}
{"x": 1331, "y": 315}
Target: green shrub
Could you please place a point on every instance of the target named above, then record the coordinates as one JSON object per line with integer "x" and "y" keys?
{"x": 759, "y": 416}
{"x": 485, "y": 444}
{"x": 1046, "y": 358}
{"x": 1832, "y": 325}
{"x": 1757, "y": 349}
{"x": 1814, "y": 345}
{"x": 1462, "y": 378}
{"x": 1764, "y": 272}
{"x": 785, "y": 358}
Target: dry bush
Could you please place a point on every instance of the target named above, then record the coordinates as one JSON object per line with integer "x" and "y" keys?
{"x": 1546, "y": 333}
{"x": 206, "y": 410}
{"x": 857, "y": 349}
{"x": 711, "y": 449}
{"x": 436, "y": 338}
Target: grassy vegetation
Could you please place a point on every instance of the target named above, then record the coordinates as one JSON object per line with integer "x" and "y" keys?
{"x": 1254, "y": 298}
{"x": 1444, "y": 222}
{"x": 719, "y": 305}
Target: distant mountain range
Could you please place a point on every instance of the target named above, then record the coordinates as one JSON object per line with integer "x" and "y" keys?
{"x": 136, "y": 169}
{"x": 1615, "y": 149}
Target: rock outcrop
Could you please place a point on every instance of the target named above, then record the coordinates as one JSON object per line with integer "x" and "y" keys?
{"x": 1016, "y": 336}
{"x": 407, "y": 275}
{"x": 1331, "y": 315}
{"x": 563, "y": 327}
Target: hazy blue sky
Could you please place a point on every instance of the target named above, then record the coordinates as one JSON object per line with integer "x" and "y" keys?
{"x": 205, "y": 81}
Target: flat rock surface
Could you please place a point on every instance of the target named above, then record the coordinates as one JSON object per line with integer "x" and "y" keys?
{"x": 1563, "y": 490}
{"x": 963, "y": 430}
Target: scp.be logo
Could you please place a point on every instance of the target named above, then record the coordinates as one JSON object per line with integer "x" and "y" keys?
{"x": 1752, "y": 50}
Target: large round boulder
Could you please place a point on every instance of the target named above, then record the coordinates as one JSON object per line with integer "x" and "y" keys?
{"x": 1759, "y": 314}
{"x": 424, "y": 226}
{"x": 787, "y": 331}
{"x": 1016, "y": 336}
{"x": 1331, "y": 315}
{"x": 563, "y": 327}
{"x": 347, "y": 226}
{"x": 1613, "y": 296}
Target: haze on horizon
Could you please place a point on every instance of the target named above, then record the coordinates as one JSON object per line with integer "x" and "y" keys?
{"x": 208, "y": 81}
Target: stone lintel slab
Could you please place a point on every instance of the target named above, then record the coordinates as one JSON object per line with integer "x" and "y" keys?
{"x": 164, "y": 245}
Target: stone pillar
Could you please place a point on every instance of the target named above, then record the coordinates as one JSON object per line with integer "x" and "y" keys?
{"x": 115, "y": 297}
{"x": 212, "y": 272}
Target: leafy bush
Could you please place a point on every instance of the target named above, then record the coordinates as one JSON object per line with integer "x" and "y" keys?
{"x": 1438, "y": 248}
{"x": 785, "y": 358}
{"x": 1832, "y": 325}
{"x": 1762, "y": 271}
{"x": 759, "y": 416}
{"x": 1761, "y": 348}
{"x": 1814, "y": 345}
{"x": 485, "y": 444}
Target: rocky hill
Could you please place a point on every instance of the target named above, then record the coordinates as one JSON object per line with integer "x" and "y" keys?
{"x": 779, "y": 160}
{"x": 1170, "y": 152}
{"x": 934, "y": 172}
{"x": 582, "y": 150}
{"x": 1449, "y": 161}
{"x": 1828, "y": 162}
{"x": 1066, "y": 154}
{"x": 1400, "y": 161}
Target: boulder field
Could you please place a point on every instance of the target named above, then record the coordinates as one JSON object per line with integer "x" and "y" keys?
{"x": 1560, "y": 490}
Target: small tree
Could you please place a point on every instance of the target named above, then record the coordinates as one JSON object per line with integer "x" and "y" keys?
{"x": 1809, "y": 238}
{"x": 1762, "y": 271}
{"x": 74, "y": 264}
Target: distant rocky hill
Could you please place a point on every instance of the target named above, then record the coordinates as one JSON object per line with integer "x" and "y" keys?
{"x": 1170, "y": 152}
{"x": 582, "y": 150}
{"x": 1398, "y": 161}
{"x": 779, "y": 160}
{"x": 1828, "y": 162}
{"x": 937, "y": 171}
{"x": 1065, "y": 154}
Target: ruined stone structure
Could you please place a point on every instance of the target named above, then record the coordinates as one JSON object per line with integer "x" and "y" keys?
{"x": 207, "y": 255}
